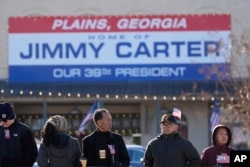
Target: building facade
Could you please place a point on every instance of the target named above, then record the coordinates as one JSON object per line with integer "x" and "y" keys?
{"x": 136, "y": 105}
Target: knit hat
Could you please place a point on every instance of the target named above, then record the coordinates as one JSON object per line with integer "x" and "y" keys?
{"x": 168, "y": 118}
{"x": 6, "y": 112}
{"x": 59, "y": 122}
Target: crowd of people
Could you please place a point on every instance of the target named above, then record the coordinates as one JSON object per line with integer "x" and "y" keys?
{"x": 103, "y": 147}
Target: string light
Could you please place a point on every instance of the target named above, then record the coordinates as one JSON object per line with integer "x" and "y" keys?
{"x": 126, "y": 96}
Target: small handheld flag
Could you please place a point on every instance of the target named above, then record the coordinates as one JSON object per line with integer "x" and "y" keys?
{"x": 177, "y": 113}
{"x": 111, "y": 148}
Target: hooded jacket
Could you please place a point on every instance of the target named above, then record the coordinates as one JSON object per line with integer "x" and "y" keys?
{"x": 66, "y": 154}
{"x": 209, "y": 154}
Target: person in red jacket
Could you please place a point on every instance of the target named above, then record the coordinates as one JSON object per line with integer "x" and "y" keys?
{"x": 218, "y": 153}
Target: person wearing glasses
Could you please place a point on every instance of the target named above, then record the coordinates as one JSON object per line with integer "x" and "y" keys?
{"x": 169, "y": 148}
{"x": 17, "y": 142}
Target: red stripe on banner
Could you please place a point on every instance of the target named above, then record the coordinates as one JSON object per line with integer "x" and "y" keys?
{"x": 126, "y": 23}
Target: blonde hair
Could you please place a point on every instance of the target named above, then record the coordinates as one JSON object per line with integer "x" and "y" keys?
{"x": 53, "y": 125}
{"x": 59, "y": 122}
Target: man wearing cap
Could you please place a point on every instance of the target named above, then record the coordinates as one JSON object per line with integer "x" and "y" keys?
{"x": 17, "y": 143}
{"x": 170, "y": 149}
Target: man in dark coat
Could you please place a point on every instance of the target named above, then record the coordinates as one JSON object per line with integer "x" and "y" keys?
{"x": 18, "y": 147}
{"x": 103, "y": 147}
{"x": 170, "y": 149}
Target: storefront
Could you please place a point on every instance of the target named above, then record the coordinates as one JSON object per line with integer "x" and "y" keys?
{"x": 139, "y": 65}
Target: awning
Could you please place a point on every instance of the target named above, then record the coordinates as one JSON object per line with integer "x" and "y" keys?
{"x": 167, "y": 88}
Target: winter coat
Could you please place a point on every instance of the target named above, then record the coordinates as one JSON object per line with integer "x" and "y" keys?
{"x": 120, "y": 157}
{"x": 20, "y": 149}
{"x": 209, "y": 154}
{"x": 171, "y": 151}
{"x": 66, "y": 154}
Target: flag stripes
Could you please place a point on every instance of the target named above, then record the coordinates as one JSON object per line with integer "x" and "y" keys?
{"x": 215, "y": 116}
{"x": 89, "y": 116}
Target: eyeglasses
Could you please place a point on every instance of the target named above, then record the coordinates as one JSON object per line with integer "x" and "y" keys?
{"x": 3, "y": 120}
{"x": 167, "y": 124}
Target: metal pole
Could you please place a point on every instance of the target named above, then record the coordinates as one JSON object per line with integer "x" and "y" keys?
{"x": 45, "y": 111}
{"x": 158, "y": 116}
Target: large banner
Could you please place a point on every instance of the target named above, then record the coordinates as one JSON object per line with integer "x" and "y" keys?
{"x": 116, "y": 48}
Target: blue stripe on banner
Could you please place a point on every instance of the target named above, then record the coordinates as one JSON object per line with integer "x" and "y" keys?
{"x": 80, "y": 73}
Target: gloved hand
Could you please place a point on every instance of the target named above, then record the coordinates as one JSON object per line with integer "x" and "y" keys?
{"x": 116, "y": 164}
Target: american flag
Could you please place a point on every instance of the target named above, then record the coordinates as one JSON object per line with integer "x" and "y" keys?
{"x": 223, "y": 159}
{"x": 89, "y": 116}
{"x": 215, "y": 117}
{"x": 177, "y": 113}
{"x": 111, "y": 148}
{"x": 7, "y": 133}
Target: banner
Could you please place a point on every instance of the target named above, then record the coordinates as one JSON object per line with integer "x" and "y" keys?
{"x": 116, "y": 48}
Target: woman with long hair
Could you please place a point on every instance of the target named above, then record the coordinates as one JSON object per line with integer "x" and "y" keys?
{"x": 57, "y": 147}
